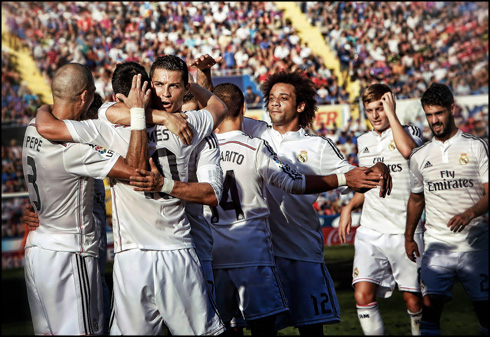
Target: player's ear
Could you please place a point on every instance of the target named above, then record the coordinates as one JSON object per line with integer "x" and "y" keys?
{"x": 301, "y": 107}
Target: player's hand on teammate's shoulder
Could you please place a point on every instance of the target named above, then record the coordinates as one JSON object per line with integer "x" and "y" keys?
{"x": 30, "y": 218}
{"x": 205, "y": 61}
{"x": 147, "y": 181}
{"x": 139, "y": 96}
{"x": 386, "y": 182}
{"x": 362, "y": 179}
{"x": 178, "y": 125}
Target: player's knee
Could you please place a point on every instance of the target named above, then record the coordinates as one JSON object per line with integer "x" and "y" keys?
{"x": 364, "y": 297}
{"x": 413, "y": 301}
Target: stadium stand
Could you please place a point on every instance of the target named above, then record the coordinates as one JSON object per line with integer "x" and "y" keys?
{"x": 403, "y": 44}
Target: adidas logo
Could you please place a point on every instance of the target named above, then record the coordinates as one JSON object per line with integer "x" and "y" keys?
{"x": 366, "y": 150}
{"x": 428, "y": 164}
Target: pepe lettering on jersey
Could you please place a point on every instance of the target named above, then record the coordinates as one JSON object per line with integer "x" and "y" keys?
{"x": 232, "y": 156}
{"x": 34, "y": 143}
{"x": 449, "y": 181}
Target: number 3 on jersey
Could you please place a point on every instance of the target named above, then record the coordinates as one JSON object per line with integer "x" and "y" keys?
{"x": 31, "y": 179}
{"x": 230, "y": 191}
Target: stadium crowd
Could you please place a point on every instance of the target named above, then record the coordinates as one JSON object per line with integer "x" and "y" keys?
{"x": 404, "y": 45}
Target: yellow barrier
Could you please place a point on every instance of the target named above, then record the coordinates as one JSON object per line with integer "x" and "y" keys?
{"x": 317, "y": 43}
{"x": 27, "y": 67}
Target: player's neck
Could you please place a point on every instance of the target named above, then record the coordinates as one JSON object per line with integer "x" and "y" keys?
{"x": 282, "y": 129}
{"x": 62, "y": 110}
{"x": 229, "y": 125}
{"x": 448, "y": 135}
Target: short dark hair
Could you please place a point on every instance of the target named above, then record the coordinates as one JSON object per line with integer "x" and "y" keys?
{"x": 122, "y": 78}
{"x": 171, "y": 62}
{"x": 374, "y": 92}
{"x": 232, "y": 96}
{"x": 93, "y": 110}
{"x": 304, "y": 89}
{"x": 438, "y": 94}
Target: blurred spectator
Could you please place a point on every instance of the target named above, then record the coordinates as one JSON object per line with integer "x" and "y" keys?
{"x": 251, "y": 98}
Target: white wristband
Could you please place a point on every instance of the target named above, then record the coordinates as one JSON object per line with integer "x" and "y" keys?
{"x": 342, "y": 181}
{"x": 138, "y": 120}
{"x": 168, "y": 186}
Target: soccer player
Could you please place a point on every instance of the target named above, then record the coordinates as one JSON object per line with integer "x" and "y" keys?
{"x": 296, "y": 231}
{"x": 449, "y": 178}
{"x": 158, "y": 278}
{"x": 31, "y": 220}
{"x": 380, "y": 260}
{"x": 243, "y": 261}
{"x": 61, "y": 265}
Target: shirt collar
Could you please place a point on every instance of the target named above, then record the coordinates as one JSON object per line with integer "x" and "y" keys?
{"x": 448, "y": 142}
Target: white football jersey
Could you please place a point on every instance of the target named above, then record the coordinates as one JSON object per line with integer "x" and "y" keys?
{"x": 143, "y": 220}
{"x": 239, "y": 224}
{"x": 60, "y": 182}
{"x": 451, "y": 176}
{"x": 295, "y": 225}
{"x": 387, "y": 215}
{"x": 204, "y": 167}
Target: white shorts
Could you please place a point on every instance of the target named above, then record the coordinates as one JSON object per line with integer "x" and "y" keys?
{"x": 440, "y": 268}
{"x": 255, "y": 292}
{"x": 64, "y": 291}
{"x": 381, "y": 259}
{"x": 157, "y": 288}
{"x": 310, "y": 294}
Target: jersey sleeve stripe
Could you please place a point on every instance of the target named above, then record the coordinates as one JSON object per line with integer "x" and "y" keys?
{"x": 418, "y": 148}
{"x": 483, "y": 141}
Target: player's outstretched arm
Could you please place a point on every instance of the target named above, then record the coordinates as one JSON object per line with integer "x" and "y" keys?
{"x": 174, "y": 122}
{"x": 153, "y": 181}
{"x": 404, "y": 143}
{"x": 415, "y": 207}
{"x": 210, "y": 102}
{"x": 460, "y": 221}
{"x": 50, "y": 127}
{"x": 203, "y": 76}
{"x": 345, "y": 222}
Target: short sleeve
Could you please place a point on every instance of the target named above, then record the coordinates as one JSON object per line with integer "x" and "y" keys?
{"x": 89, "y": 160}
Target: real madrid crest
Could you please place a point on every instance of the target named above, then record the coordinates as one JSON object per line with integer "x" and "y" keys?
{"x": 463, "y": 160}
{"x": 392, "y": 145}
{"x": 303, "y": 157}
{"x": 356, "y": 272}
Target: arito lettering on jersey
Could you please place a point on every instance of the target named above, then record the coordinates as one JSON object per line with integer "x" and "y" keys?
{"x": 34, "y": 143}
{"x": 232, "y": 156}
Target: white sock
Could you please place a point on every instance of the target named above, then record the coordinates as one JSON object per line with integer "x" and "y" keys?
{"x": 429, "y": 328}
{"x": 415, "y": 318}
{"x": 370, "y": 319}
